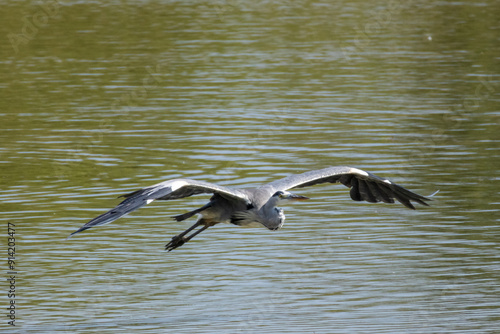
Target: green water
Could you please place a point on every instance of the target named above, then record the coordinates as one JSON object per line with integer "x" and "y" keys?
{"x": 99, "y": 99}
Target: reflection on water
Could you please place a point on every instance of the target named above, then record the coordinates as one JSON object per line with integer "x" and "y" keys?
{"x": 101, "y": 99}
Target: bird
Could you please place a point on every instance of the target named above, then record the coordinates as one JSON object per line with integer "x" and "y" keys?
{"x": 255, "y": 206}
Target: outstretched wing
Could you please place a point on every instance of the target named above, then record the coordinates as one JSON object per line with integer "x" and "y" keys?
{"x": 364, "y": 186}
{"x": 172, "y": 189}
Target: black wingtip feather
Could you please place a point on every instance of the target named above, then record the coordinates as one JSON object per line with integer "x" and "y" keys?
{"x": 355, "y": 195}
{"x": 83, "y": 228}
{"x": 127, "y": 195}
{"x": 403, "y": 200}
{"x": 366, "y": 193}
{"x": 363, "y": 190}
{"x": 379, "y": 193}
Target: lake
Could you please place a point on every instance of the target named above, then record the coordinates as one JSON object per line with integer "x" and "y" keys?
{"x": 100, "y": 98}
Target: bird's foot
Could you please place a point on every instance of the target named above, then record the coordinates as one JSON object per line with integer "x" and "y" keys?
{"x": 176, "y": 241}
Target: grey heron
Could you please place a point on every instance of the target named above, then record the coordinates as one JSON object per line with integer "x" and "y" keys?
{"x": 255, "y": 206}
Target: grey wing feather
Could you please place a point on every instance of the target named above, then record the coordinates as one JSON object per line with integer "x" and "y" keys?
{"x": 172, "y": 189}
{"x": 364, "y": 186}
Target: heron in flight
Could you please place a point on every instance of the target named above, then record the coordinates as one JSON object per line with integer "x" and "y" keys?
{"x": 255, "y": 206}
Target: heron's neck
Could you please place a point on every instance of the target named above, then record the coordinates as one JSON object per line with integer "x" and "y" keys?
{"x": 271, "y": 204}
{"x": 272, "y": 215}
{"x": 269, "y": 209}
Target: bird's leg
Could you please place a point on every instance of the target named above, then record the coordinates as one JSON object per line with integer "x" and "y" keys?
{"x": 181, "y": 239}
{"x": 178, "y": 240}
{"x": 192, "y": 235}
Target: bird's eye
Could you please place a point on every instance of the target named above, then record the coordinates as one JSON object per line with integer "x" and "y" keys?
{"x": 278, "y": 193}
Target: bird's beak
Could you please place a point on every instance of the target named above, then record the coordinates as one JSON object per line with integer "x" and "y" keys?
{"x": 297, "y": 197}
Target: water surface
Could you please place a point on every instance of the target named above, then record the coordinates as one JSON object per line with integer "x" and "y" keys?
{"x": 103, "y": 98}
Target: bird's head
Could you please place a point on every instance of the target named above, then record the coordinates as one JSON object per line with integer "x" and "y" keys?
{"x": 285, "y": 195}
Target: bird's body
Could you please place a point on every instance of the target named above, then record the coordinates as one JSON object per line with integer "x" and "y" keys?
{"x": 255, "y": 206}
